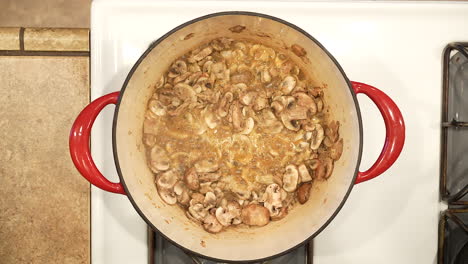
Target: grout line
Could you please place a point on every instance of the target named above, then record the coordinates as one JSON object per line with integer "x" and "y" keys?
{"x": 21, "y": 38}
{"x": 44, "y": 53}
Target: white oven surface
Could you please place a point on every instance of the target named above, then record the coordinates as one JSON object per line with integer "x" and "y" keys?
{"x": 394, "y": 46}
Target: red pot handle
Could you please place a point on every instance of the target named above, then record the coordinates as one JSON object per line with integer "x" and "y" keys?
{"x": 79, "y": 144}
{"x": 395, "y": 131}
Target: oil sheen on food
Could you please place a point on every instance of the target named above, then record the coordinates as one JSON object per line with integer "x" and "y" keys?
{"x": 236, "y": 134}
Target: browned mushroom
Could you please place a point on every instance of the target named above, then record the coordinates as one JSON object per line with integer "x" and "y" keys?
{"x": 303, "y": 192}
{"x": 191, "y": 179}
{"x": 255, "y": 215}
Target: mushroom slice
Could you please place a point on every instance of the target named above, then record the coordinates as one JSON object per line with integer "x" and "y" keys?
{"x": 191, "y": 179}
{"x": 260, "y": 103}
{"x": 277, "y": 106}
{"x": 248, "y": 98}
{"x": 227, "y": 214}
{"x": 202, "y": 54}
{"x": 288, "y": 84}
{"x": 283, "y": 211}
{"x": 272, "y": 199}
{"x": 325, "y": 169}
{"x": 211, "y": 224}
{"x": 210, "y": 200}
{"x": 222, "y": 110}
{"x": 197, "y": 198}
{"x": 185, "y": 92}
{"x": 306, "y": 101}
{"x": 209, "y": 177}
{"x": 168, "y": 196}
{"x": 210, "y": 119}
{"x": 255, "y": 215}
{"x": 290, "y": 178}
{"x": 167, "y": 179}
{"x": 159, "y": 160}
{"x": 198, "y": 211}
{"x": 157, "y": 108}
{"x": 206, "y": 187}
{"x": 288, "y": 122}
{"x": 304, "y": 173}
{"x": 236, "y": 115}
{"x": 205, "y": 166}
{"x": 336, "y": 150}
{"x": 182, "y": 193}
{"x": 312, "y": 164}
{"x": 317, "y": 137}
{"x": 332, "y": 130}
{"x": 248, "y": 126}
{"x": 303, "y": 192}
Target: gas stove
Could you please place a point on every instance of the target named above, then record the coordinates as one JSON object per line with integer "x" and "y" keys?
{"x": 395, "y": 46}
{"x": 453, "y": 225}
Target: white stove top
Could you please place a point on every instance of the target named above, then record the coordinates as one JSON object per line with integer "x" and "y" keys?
{"x": 394, "y": 46}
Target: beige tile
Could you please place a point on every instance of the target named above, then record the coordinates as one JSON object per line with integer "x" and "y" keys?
{"x": 56, "y": 39}
{"x": 9, "y": 38}
{"x": 45, "y": 202}
{"x": 45, "y": 13}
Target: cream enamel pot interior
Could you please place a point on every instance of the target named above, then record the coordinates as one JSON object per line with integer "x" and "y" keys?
{"x": 241, "y": 243}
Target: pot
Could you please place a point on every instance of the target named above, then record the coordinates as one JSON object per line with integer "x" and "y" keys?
{"x": 241, "y": 243}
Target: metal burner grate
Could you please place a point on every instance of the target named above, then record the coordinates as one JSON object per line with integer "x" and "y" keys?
{"x": 454, "y": 144}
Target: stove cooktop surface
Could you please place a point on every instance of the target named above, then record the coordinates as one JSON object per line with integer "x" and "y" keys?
{"x": 392, "y": 45}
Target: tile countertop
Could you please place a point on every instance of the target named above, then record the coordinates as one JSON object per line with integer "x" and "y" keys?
{"x": 45, "y": 203}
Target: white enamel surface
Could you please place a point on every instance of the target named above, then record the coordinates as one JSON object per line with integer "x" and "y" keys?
{"x": 394, "y": 46}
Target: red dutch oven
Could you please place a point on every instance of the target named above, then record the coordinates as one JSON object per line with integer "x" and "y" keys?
{"x": 241, "y": 243}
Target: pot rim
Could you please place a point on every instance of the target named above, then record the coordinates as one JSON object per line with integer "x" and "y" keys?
{"x": 143, "y": 56}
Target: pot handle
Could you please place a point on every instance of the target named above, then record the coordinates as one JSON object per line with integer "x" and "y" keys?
{"x": 395, "y": 131}
{"x": 79, "y": 144}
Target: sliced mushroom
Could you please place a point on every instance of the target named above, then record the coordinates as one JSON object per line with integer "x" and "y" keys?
{"x": 236, "y": 116}
{"x": 332, "y": 130}
{"x": 290, "y": 178}
{"x": 336, "y": 150}
{"x": 305, "y": 100}
{"x": 312, "y": 164}
{"x": 288, "y": 84}
{"x": 159, "y": 159}
{"x": 317, "y": 137}
{"x": 265, "y": 76}
{"x": 191, "y": 179}
{"x": 277, "y": 106}
{"x": 185, "y": 92}
{"x": 223, "y": 107}
{"x": 303, "y": 192}
{"x": 304, "y": 173}
{"x": 179, "y": 67}
{"x": 272, "y": 199}
{"x": 202, "y": 54}
{"x": 248, "y": 98}
{"x": 149, "y": 139}
{"x": 210, "y": 200}
{"x": 260, "y": 103}
{"x": 283, "y": 211}
{"x": 255, "y": 215}
{"x": 205, "y": 166}
{"x": 182, "y": 193}
{"x": 297, "y": 112}
{"x": 168, "y": 196}
{"x": 157, "y": 108}
{"x": 243, "y": 77}
{"x": 325, "y": 169}
{"x": 289, "y": 123}
{"x": 248, "y": 126}
{"x": 210, "y": 119}
{"x": 226, "y": 215}
{"x": 197, "y": 211}
{"x": 197, "y": 198}
{"x": 319, "y": 104}
{"x": 209, "y": 177}
{"x": 211, "y": 224}
{"x": 205, "y": 187}
{"x": 167, "y": 180}
{"x": 181, "y": 77}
